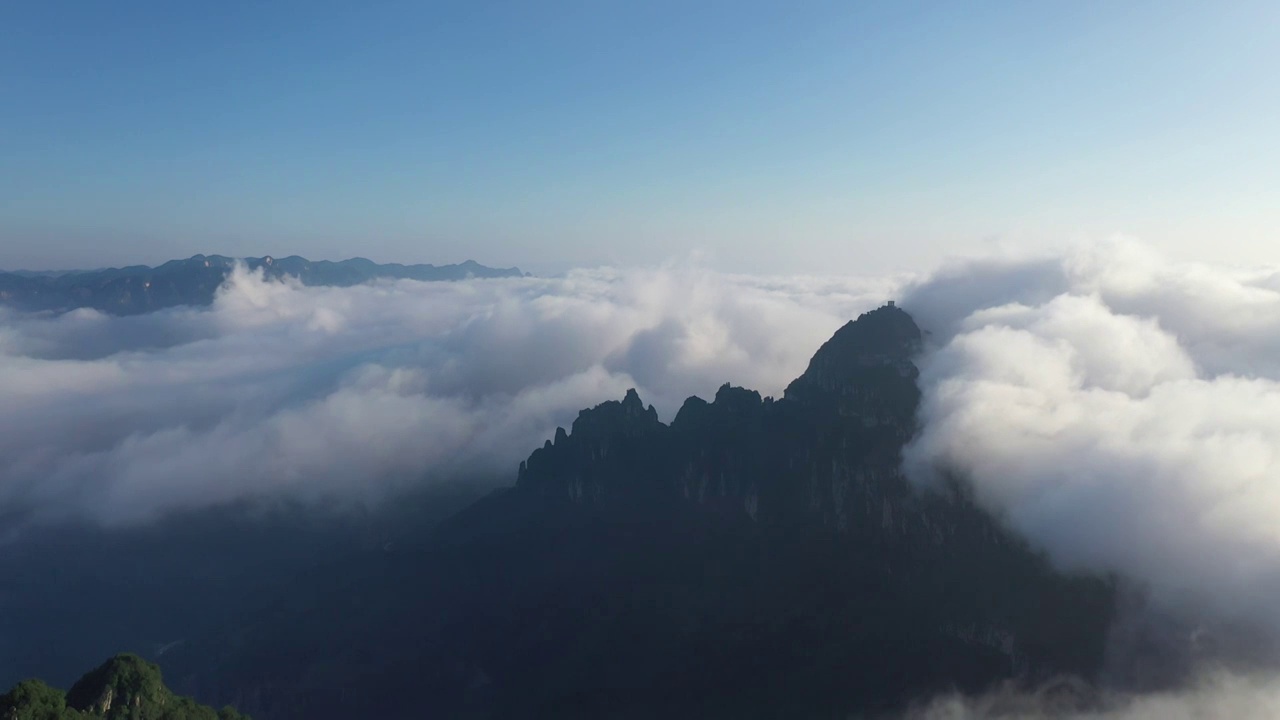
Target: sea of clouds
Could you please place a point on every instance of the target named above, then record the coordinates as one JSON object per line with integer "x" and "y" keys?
{"x": 1118, "y": 410}
{"x": 320, "y": 393}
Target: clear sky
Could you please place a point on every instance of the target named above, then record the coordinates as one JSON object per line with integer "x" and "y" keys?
{"x": 768, "y": 136}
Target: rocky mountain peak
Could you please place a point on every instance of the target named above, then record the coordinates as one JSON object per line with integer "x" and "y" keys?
{"x": 866, "y": 371}
{"x": 628, "y": 417}
{"x": 631, "y": 402}
{"x": 595, "y": 433}
{"x": 884, "y": 336}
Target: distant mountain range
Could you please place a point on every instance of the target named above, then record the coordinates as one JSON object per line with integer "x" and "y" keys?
{"x": 193, "y": 281}
{"x": 755, "y": 558}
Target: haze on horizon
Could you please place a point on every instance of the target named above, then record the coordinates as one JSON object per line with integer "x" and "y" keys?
{"x": 778, "y": 137}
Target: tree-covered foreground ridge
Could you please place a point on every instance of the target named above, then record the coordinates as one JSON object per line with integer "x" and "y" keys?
{"x": 126, "y": 687}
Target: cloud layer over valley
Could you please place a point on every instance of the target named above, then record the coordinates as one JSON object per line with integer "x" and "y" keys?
{"x": 1119, "y": 411}
{"x": 321, "y": 393}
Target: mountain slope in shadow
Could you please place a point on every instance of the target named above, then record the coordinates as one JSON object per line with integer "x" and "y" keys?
{"x": 753, "y": 558}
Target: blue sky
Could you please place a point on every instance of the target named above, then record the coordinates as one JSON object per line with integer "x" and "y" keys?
{"x": 765, "y": 136}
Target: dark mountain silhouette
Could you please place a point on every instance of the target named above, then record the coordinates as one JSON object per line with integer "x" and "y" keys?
{"x": 754, "y": 558}
{"x": 139, "y": 288}
{"x": 126, "y": 687}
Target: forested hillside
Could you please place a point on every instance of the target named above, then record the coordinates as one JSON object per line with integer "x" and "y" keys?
{"x": 126, "y": 687}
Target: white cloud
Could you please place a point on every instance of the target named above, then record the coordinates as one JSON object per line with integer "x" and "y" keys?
{"x": 1119, "y": 411}
{"x": 318, "y": 393}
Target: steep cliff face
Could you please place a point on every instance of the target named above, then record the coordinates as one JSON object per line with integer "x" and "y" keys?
{"x": 754, "y": 558}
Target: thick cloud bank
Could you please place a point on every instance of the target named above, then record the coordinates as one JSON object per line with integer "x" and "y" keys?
{"x": 1121, "y": 412}
{"x": 317, "y": 393}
